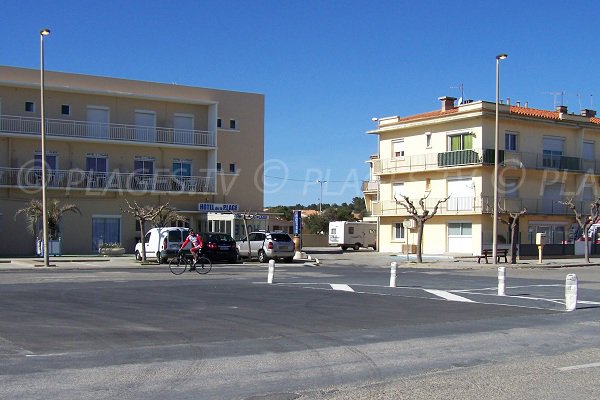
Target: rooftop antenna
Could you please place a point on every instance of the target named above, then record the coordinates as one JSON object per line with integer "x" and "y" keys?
{"x": 461, "y": 88}
{"x": 556, "y": 94}
{"x": 579, "y": 99}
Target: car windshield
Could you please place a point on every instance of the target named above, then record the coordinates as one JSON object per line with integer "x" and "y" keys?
{"x": 281, "y": 237}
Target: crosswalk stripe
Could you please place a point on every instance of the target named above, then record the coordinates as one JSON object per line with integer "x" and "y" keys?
{"x": 448, "y": 296}
{"x": 338, "y": 286}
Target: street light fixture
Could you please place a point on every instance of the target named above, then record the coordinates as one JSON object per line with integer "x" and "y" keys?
{"x": 495, "y": 222}
{"x": 44, "y": 32}
{"x": 321, "y": 198}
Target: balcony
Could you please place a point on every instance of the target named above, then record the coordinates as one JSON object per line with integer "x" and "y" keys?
{"x": 480, "y": 205}
{"x": 16, "y": 125}
{"x": 370, "y": 186}
{"x": 475, "y": 157}
{"x": 30, "y": 180}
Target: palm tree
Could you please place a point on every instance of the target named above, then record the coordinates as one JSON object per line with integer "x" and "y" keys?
{"x": 33, "y": 214}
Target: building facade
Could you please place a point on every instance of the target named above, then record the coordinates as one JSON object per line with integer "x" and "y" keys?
{"x": 545, "y": 158}
{"x": 111, "y": 140}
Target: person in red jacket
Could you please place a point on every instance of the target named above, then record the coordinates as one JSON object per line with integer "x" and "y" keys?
{"x": 196, "y": 242}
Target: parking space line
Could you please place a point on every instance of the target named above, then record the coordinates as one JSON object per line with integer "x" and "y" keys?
{"x": 338, "y": 286}
{"x": 581, "y": 366}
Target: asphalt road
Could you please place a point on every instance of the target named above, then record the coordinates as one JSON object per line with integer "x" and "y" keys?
{"x": 329, "y": 332}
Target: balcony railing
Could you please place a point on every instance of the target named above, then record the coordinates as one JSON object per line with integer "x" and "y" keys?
{"x": 370, "y": 186}
{"x": 30, "y": 180}
{"x": 437, "y": 161}
{"x": 105, "y": 131}
{"x": 480, "y": 205}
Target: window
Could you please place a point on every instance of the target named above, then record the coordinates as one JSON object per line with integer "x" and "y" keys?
{"x": 510, "y": 141}
{"x": 50, "y": 161}
{"x": 428, "y": 140}
{"x": 182, "y": 168}
{"x": 553, "y": 151}
{"x": 29, "y": 106}
{"x": 65, "y": 109}
{"x": 351, "y": 230}
{"x": 398, "y": 148}
{"x": 511, "y": 188}
{"x": 459, "y": 229}
{"x": 397, "y": 191}
{"x": 105, "y": 229}
{"x": 232, "y": 124}
{"x": 143, "y": 166}
{"x": 219, "y": 123}
{"x": 232, "y": 168}
{"x": 428, "y": 184}
{"x": 97, "y": 163}
{"x": 219, "y": 168}
{"x": 461, "y": 141}
{"x": 588, "y": 150}
{"x": 462, "y": 194}
{"x": 398, "y": 231}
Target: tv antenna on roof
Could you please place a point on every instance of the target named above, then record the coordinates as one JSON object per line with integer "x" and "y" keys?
{"x": 461, "y": 88}
{"x": 556, "y": 94}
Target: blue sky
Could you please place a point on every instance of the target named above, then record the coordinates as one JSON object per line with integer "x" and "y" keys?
{"x": 325, "y": 67}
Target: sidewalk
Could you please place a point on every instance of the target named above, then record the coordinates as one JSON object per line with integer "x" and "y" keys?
{"x": 323, "y": 254}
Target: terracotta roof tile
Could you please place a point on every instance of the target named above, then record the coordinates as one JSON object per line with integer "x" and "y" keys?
{"x": 595, "y": 120}
{"x": 533, "y": 112}
{"x": 430, "y": 114}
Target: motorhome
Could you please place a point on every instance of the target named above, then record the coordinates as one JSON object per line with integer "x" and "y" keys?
{"x": 346, "y": 234}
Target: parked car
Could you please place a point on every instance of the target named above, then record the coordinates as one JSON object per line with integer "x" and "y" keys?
{"x": 162, "y": 243}
{"x": 219, "y": 247}
{"x": 267, "y": 245}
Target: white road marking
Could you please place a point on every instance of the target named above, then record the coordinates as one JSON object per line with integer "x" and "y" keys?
{"x": 338, "y": 286}
{"x": 582, "y": 366}
{"x": 448, "y": 296}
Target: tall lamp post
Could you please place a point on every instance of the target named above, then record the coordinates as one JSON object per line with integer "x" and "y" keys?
{"x": 321, "y": 198}
{"x": 44, "y": 32}
{"x": 495, "y": 222}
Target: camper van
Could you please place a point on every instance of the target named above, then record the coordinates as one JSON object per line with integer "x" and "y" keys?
{"x": 347, "y": 234}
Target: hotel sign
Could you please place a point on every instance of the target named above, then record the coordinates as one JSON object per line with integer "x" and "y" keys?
{"x": 218, "y": 207}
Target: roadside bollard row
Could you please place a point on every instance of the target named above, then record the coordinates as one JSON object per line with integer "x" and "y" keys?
{"x": 570, "y": 288}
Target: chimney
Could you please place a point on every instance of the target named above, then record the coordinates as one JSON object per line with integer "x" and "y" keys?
{"x": 447, "y": 102}
{"x": 561, "y": 109}
{"x": 588, "y": 113}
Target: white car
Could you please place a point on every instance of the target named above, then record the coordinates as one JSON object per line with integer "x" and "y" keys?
{"x": 162, "y": 243}
{"x": 266, "y": 245}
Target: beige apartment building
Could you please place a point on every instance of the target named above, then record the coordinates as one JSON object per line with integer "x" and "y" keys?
{"x": 545, "y": 158}
{"x": 110, "y": 140}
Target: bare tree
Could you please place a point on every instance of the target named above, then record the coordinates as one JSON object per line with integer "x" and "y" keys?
{"x": 584, "y": 221}
{"x": 512, "y": 222}
{"x": 420, "y": 218}
{"x": 167, "y": 216}
{"x": 143, "y": 214}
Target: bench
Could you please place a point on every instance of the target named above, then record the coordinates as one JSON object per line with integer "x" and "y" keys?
{"x": 489, "y": 253}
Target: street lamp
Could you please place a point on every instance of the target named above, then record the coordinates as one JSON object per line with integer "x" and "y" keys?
{"x": 43, "y": 32}
{"x": 495, "y": 222}
{"x": 321, "y": 198}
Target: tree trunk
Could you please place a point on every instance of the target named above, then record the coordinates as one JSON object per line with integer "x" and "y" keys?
{"x": 513, "y": 244}
{"x": 142, "y": 240}
{"x": 419, "y": 241}
{"x": 587, "y": 247}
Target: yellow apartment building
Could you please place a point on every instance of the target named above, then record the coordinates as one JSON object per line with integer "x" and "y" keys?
{"x": 545, "y": 158}
{"x": 109, "y": 140}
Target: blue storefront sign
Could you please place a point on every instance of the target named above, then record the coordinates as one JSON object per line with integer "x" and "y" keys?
{"x": 297, "y": 229}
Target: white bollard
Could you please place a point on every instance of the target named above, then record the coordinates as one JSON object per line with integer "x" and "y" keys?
{"x": 571, "y": 292}
{"x": 394, "y": 265}
{"x": 501, "y": 281}
{"x": 271, "y": 271}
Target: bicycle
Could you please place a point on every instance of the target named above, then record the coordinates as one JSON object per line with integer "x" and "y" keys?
{"x": 179, "y": 264}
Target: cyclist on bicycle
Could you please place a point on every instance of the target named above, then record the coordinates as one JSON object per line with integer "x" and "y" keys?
{"x": 196, "y": 242}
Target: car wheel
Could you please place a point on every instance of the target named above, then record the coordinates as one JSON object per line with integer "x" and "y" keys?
{"x": 138, "y": 256}
{"x": 262, "y": 257}
{"x": 356, "y": 247}
{"x": 158, "y": 258}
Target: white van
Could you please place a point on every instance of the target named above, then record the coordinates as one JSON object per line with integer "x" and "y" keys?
{"x": 162, "y": 243}
{"x": 347, "y": 234}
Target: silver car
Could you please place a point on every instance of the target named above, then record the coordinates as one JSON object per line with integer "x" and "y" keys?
{"x": 266, "y": 245}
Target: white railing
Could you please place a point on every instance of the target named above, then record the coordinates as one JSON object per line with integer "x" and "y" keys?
{"x": 30, "y": 179}
{"x": 99, "y": 131}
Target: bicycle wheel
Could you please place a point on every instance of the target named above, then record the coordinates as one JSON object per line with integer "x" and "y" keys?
{"x": 203, "y": 265}
{"x": 178, "y": 265}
